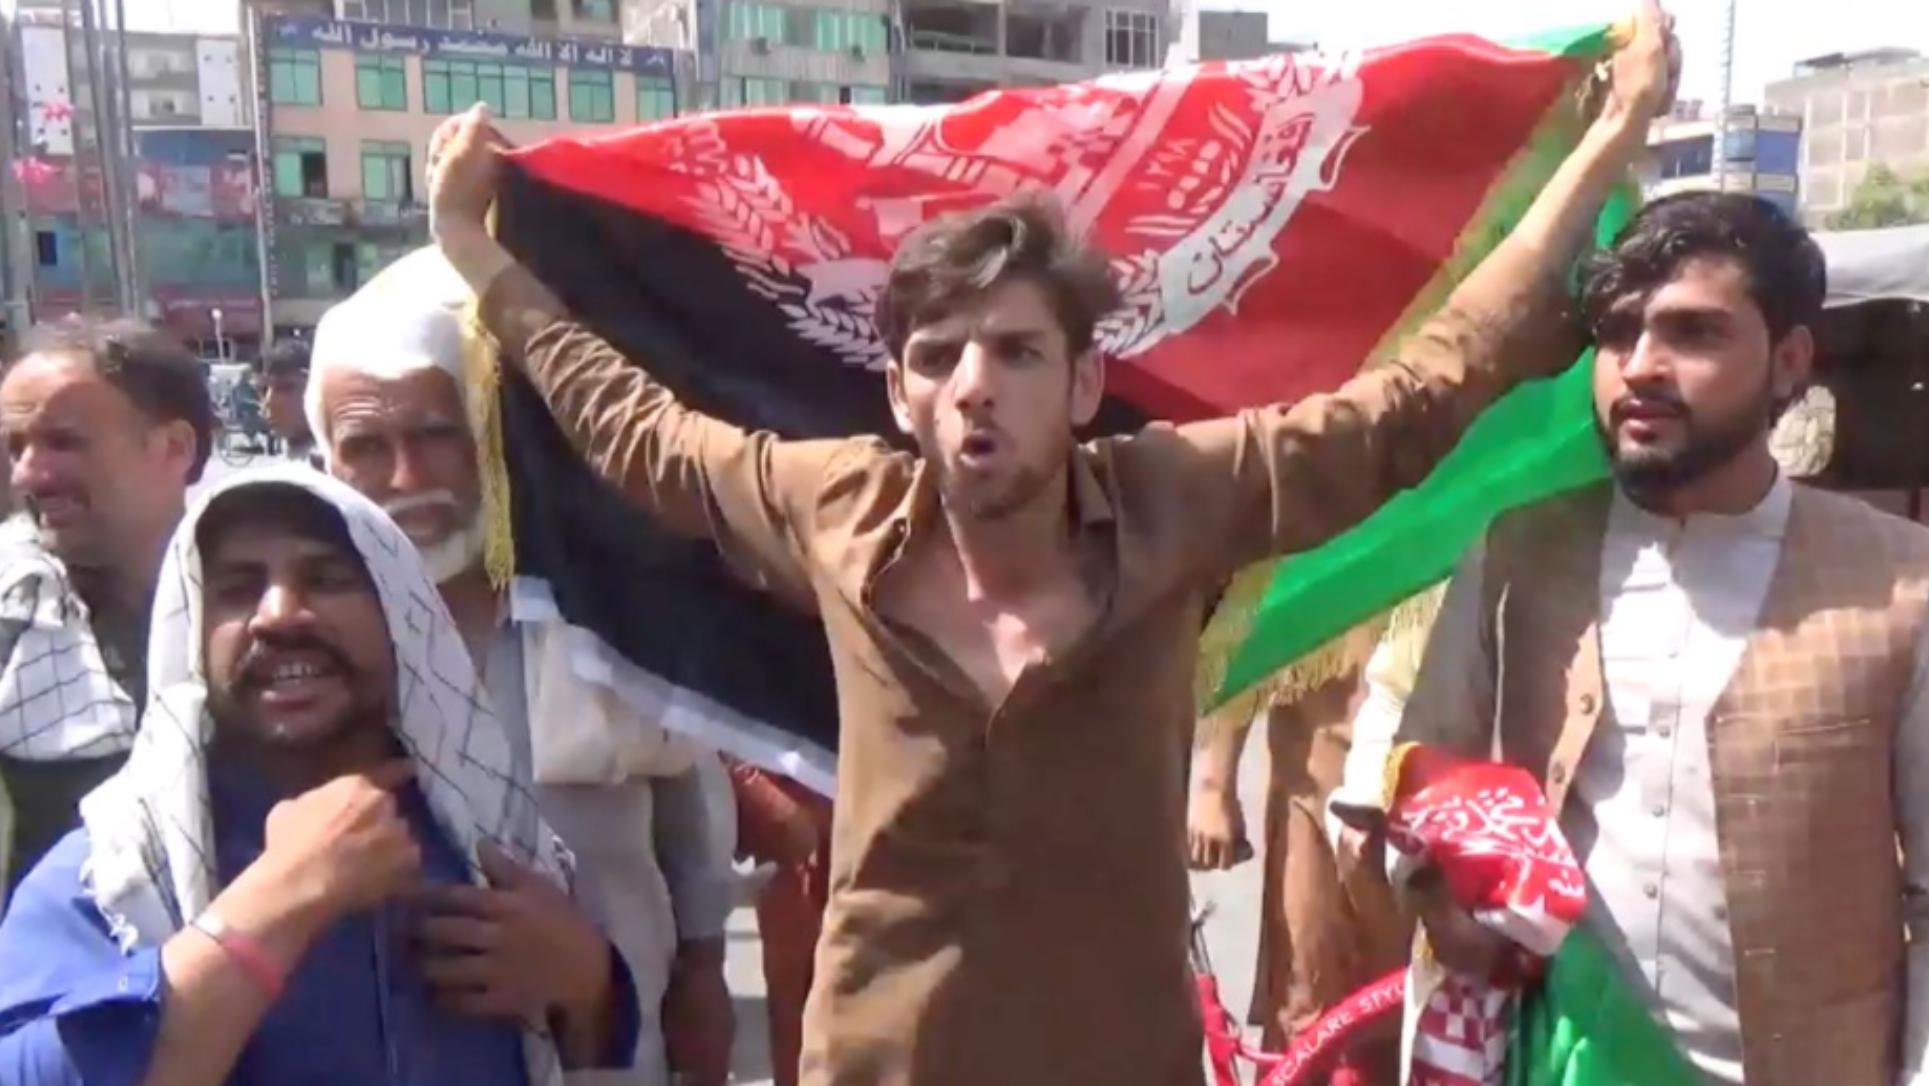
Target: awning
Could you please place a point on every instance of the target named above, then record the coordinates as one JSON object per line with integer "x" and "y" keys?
{"x": 1877, "y": 265}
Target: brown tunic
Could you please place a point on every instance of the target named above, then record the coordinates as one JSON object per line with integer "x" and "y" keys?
{"x": 1008, "y": 892}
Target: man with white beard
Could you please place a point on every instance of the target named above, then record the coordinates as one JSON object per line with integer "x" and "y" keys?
{"x": 386, "y": 404}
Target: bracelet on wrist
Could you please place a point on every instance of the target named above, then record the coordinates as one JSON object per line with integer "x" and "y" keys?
{"x": 245, "y": 951}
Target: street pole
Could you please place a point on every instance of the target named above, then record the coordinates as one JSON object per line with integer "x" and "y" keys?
{"x": 77, "y": 172}
{"x": 14, "y": 256}
{"x": 103, "y": 112}
{"x": 263, "y": 173}
{"x": 130, "y": 188}
{"x": 1727, "y": 95}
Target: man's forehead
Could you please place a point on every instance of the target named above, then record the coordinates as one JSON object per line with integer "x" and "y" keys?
{"x": 45, "y": 376}
{"x": 422, "y": 389}
{"x": 1015, "y": 307}
{"x": 253, "y": 539}
{"x": 1703, "y": 283}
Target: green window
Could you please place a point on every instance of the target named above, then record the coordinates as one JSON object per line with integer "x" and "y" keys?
{"x": 294, "y": 77}
{"x": 318, "y": 268}
{"x": 868, "y": 96}
{"x": 449, "y": 86}
{"x": 516, "y": 91}
{"x": 528, "y": 92}
{"x": 381, "y": 82}
{"x": 655, "y": 99}
{"x": 592, "y": 96}
{"x": 751, "y": 91}
{"x": 842, "y": 31}
{"x": 385, "y": 172}
{"x": 301, "y": 166}
{"x": 753, "y": 20}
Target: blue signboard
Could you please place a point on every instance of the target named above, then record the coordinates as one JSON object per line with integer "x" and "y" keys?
{"x": 304, "y": 31}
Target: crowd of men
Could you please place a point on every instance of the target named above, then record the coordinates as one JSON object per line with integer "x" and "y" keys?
{"x": 299, "y": 793}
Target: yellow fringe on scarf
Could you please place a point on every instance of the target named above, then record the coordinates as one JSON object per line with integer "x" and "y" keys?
{"x": 482, "y": 372}
{"x": 1409, "y": 621}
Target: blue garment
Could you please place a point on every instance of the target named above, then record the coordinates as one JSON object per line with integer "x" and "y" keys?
{"x": 75, "y": 1010}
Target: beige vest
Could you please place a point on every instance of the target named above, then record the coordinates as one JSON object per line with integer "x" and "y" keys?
{"x": 1801, "y": 747}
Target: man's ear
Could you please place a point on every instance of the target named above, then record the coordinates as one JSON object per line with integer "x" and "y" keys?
{"x": 1088, "y": 386}
{"x": 894, "y": 388}
{"x": 178, "y": 446}
{"x": 1790, "y": 363}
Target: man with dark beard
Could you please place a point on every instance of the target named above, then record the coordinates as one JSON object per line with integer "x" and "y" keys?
{"x": 1719, "y": 675}
{"x": 318, "y": 864}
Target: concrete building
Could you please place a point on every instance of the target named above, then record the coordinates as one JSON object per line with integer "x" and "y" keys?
{"x": 182, "y": 79}
{"x": 347, "y": 109}
{"x": 953, "y": 49}
{"x": 761, "y": 52}
{"x": 1762, "y": 153}
{"x": 1226, "y": 35}
{"x": 1858, "y": 109}
{"x": 184, "y": 179}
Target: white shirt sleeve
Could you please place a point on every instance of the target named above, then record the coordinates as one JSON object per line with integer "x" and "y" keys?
{"x": 1912, "y": 827}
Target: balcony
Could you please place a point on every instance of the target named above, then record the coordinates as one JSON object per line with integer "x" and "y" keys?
{"x": 960, "y": 43}
{"x": 310, "y": 211}
{"x": 392, "y": 213}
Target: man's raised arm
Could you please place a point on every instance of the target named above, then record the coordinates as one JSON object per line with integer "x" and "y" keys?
{"x": 1302, "y": 474}
{"x": 700, "y": 476}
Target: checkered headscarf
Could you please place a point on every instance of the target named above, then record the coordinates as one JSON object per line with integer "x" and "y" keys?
{"x": 150, "y": 869}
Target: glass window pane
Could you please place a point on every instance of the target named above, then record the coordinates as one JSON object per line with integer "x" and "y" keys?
{"x": 542, "y": 97}
{"x": 287, "y": 173}
{"x": 515, "y": 92}
{"x": 462, "y": 86}
{"x": 489, "y": 87}
{"x": 319, "y": 268}
{"x": 374, "y": 177}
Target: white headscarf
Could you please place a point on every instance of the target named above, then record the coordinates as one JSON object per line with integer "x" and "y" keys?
{"x": 150, "y": 867}
{"x": 406, "y": 319}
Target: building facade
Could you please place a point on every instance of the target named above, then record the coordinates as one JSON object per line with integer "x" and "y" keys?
{"x": 185, "y": 180}
{"x": 1762, "y": 153}
{"x": 1227, "y": 35}
{"x": 953, "y": 49}
{"x": 348, "y": 108}
{"x": 1858, "y": 109}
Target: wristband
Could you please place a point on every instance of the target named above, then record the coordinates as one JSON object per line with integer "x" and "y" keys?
{"x": 245, "y": 951}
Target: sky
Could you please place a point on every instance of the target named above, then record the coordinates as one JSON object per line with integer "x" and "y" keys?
{"x": 1770, "y": 35}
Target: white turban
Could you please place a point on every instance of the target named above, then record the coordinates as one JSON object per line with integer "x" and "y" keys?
{"x": 407, "y": 318}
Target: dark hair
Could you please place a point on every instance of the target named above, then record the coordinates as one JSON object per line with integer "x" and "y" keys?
{"x": 1787, "y": 276}
{"x": 283, "y": 505}
{"x": 287, "y": 358}
{"x": 150, "y": 368}
{"x": 959, "y": 256}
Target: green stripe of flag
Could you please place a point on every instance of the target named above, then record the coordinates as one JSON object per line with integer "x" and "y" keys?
{"x": 1536, "y": 442}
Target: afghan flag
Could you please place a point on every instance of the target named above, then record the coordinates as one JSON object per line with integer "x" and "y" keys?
{"x": 1276, "y": 226}
{"x": 1561, "y": 1012}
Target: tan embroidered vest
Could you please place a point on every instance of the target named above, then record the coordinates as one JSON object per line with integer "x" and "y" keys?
{"x": 1801, "y": 749}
